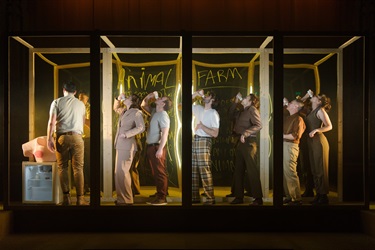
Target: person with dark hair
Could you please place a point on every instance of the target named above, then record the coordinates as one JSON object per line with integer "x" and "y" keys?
{"x": 156, "y": 140}
{"x": 207, "y": 123}
{"x": 235, "y": 108}
{"x": 293, "y": 129}
{"x": 317, "y": 123}
{"x": 66, "y": 118}
{"x": 247, "y": 125}
{"x": 130, "y": 124}
{"x": 303, "y": 165}
{"x": 83, "y": 96}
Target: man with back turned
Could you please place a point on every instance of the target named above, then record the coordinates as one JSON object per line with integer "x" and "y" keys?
{"x": 66, "y": 119}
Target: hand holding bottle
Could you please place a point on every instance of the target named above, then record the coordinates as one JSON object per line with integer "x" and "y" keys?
{"x": 152, "y": 97}
{"x": 239, "y": 96}
{"x": 156, "y": 95}
{"x": 198, "y": 95}
{"x": 310, "y": 93}
{"x": 285, "y": 102}
{"x": 121, "y": 97}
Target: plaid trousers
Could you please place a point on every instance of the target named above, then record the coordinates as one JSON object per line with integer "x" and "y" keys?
{"x": 201, "y": 167}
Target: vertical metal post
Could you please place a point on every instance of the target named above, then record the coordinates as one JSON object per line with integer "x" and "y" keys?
{"x": 107, "y": 126}
{"x": 95, "y": 125}
{"x": 264, "y": 147}
{"x": 278, "y": 119}
{"x": 186, "y": 117}
{"x": 340, "y": 125}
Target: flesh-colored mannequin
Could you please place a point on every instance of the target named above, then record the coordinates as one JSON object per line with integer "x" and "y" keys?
{"x": 37, "y": 149}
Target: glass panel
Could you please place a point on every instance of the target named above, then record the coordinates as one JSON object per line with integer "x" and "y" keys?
{"x": 330, "y": 169}
{"x": 139, "y": 66}
{"x": 39, "y": 66}
{"x": 40, "y": 184}
{"x": 230, "y": 67}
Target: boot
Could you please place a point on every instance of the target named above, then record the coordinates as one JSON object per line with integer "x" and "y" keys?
{"x": 79, "y": 181}
{"x": 323, "y": 200}
{"x": 315, "y": 200}
{"x": 81, "y": 201}
{"x": 308, "y": 193}
{"x": 320, "y": 199}
{"x": 66, "y": 200}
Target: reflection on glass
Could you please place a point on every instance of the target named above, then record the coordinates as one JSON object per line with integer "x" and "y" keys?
{"x": 315, "y": 65}
{"x": 236, "y": 66}
{"x": 138, "y": 67}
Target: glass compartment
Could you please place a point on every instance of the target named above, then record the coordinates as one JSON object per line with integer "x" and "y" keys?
{"x": 40, "y": 183}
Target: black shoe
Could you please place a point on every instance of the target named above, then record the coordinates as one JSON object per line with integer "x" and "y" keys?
{"x": 230, "y": 195}
{"x": 154, "y": 195}
{"x": 237, "y": 201}
{"x": 323, "y": 200}
{"x": 209, "y": 203}
{"x": 257, "y": 202}
{"x": 286, "y": 200}
{"x": 308, "y": 193}
{"x": 294, "y": 203}
{"x": 315, "y": 200}
{"x": 158, "y": 202}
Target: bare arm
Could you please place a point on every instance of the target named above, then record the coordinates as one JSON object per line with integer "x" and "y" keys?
{"x": 50, "y": 129}
{"x": 144, "y": 104}
{"x": 327, "y": 125}
{"x": 307, "y": 95}
{"x": 87, "y": 122}
{"x": 214, "y": 132}
{"x": 84, "y": 119}
{"x": 163, "y": 142}
{"x": 194, "y": 95}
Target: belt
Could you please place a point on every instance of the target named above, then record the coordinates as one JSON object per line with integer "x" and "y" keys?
{"x": 251, "y": 136}
{"x": 69, "y": 133}
{"x": 207, "y": 137}
{"x": 153, "y": 144}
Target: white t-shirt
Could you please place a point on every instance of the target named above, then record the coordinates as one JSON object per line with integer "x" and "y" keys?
{"x": 209, "y": 118}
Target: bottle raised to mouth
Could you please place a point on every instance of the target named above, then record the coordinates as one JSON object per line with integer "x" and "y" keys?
{"x": 121, "y": 97}
{"x": 285, "y": 102}
{"x": 311, "y": 94}
{"x": 155, "y": 96}
{"x": 200, "y": 96}
{"x": 239, "y": 96}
